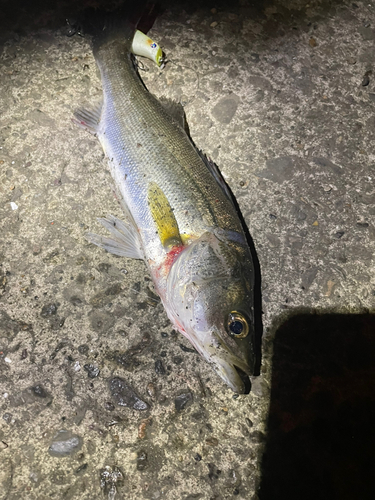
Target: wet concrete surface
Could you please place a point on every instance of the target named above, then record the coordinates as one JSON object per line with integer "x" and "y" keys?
{"x": 281, "y": 96}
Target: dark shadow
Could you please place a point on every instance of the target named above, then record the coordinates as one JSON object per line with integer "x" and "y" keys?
{"x": 321, "y": 426}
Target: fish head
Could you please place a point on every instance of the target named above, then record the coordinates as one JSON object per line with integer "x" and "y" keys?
{"x": 210, "y": 300}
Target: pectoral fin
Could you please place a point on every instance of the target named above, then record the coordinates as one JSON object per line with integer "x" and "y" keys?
{"x": 125, "y": 239}
{"x": 163, "y": 216}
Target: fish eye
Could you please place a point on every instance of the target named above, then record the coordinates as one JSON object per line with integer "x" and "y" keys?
{"x": 238, "y": 326}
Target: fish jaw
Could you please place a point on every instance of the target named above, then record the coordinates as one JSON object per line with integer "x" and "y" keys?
{"x": 223, "y": 361}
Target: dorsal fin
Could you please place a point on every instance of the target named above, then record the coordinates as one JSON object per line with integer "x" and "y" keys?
{"x": 175, "y": 111}
{"x": 214, "y": 169}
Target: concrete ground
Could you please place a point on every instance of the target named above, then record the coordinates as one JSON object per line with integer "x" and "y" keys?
{"x": 281, "y": 95}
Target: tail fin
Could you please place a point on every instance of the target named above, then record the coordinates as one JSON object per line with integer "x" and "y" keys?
{"x": 104, "y": 26}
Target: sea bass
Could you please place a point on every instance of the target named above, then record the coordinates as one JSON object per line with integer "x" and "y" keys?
{"x": 180, "y": 217}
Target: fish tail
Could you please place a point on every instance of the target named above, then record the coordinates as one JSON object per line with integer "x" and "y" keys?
{"x": 105, "y": 26}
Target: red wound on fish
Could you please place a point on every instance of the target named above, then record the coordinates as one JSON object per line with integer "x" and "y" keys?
{"x": 172, "y": 255}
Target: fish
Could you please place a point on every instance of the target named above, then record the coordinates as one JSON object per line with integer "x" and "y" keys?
{"x": 180, "y": 217}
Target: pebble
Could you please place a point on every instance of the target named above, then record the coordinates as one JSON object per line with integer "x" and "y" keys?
{"x": 312, "y": 42}
{"x": 183, "y": 400}
{"x": 212, "y": 441}
{"x": 159, "y": 367}
{"x": 92, "y": 370}
{"x": 110, "y": 477}
{"x": 81, "y": 468}
{"x": 187, "y": 349}
{"x": 8, "y": 417}
{"x": 151, "y": 390}
{"x": 366, "y": 79}
{"x": 83, "y": 349}
{"x": 48, "y": 310}
{"x": 64, "y": 444}
{"x": 142, "y": 428}
{"x": 39, "y": 391}
{"x": 142, "y": 461}
{"x": 125, "y": 395}
{"x": 339, "y": 234}
{"x": 225, "y": 109}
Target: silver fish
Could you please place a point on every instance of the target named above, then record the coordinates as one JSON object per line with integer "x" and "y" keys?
{"x": 179, "y": 214}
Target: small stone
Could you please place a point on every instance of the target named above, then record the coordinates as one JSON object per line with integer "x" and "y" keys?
{"x": 159, "y": 367}
{"x": 197, "y": 457}
{"x": 187, "y": 349}
{"x": 8, "y": 417}
{"x": 151, "y": 390}
{"x": 225, "y": 109}
{"x": 212, "y": 441}
{"x": 330, "y": 286}
{"x": 110, "y": 479}
{"x": 39, "y": 391}
{"x": 48, "y": 310}
{"x": 125, "y": 395}
{"x": 183, "y": 400}
{"x": 312, "y": 42}
{"x": 142, "y": 428}
{"x": 213, "y": 25}
{"x": 366, "y": 78}
{"x": 249, "y": 422}
{"x": 257, "y": 437}
{"x": 92, "y": 370}
{"x": 64, "y": 444}
{"x": 83, "y": 349}
{"x": 81, "y": 468}
{"x": 142, "y": 461}
{"x": 76, "y": 301}
{"x": 339, "y": 234}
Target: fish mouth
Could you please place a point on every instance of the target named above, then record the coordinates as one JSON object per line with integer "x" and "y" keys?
{"x": 236, "y": 377}
{"x": 232, "y": 369}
